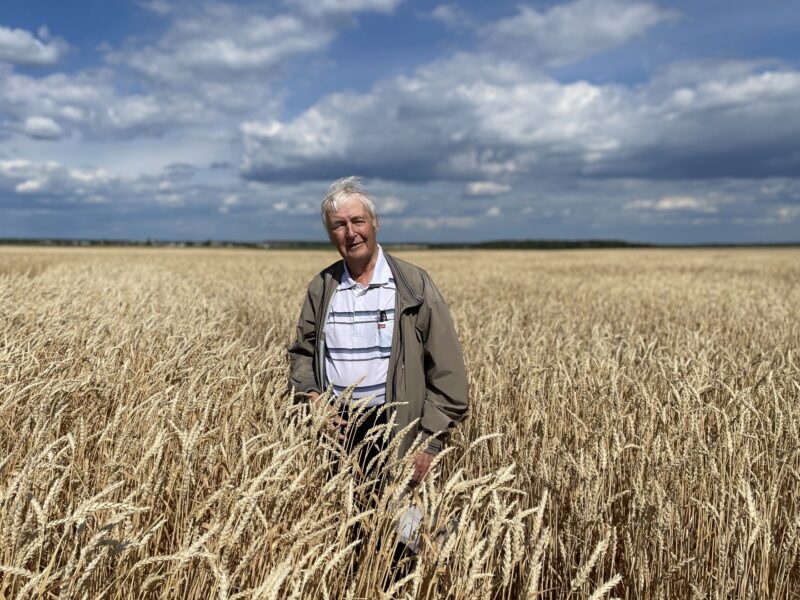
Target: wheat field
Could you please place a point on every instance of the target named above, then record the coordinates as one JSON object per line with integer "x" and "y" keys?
{"x": 634, "y": 431}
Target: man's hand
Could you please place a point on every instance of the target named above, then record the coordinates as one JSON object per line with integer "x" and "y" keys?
{"x": 422, "y": 463}
{"x": 335, "y": 421}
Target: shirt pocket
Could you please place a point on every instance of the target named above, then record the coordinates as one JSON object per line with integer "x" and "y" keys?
{"x": 385, "y": 333}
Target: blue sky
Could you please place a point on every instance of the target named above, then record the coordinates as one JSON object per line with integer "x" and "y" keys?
{"x": 674, "y": 122}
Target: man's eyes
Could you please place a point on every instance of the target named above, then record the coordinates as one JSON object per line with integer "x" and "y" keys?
{"x": 354, "y": 222}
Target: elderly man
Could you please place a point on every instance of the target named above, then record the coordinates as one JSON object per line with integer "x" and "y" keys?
{"x": 379, "y": 323}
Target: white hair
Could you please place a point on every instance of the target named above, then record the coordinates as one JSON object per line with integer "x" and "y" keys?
{"x": 340, "y": 192}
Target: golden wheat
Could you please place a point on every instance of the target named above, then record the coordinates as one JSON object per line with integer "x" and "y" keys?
{"x": 634, "y": 431}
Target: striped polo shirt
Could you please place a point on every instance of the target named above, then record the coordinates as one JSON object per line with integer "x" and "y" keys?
{"x": 358, "y": 334}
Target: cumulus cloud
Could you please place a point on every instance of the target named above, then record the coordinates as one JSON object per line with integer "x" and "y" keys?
{"x": 43, "y": 128}
{"x": 215, "y": 64}
{"x": 299, "y": 207}
{"x": 788, "y": 214}
{"x": 170, "y": 200}
{"x": 229, "y": 201}
{"x": 222, "y": 42}
{"x": 470, "y": 115}
{"x": 27, "y": 185}
{"x": 219, "y": 61}
{"x": 452, "y": 15}
{"x": 391, "y": 205}
{"x": 52, "y": 179}
{"x": 570, "y": 32}
{"x": 56, "y": 184}
{"x": 158, "y": 7}
{"x": 21, "y": 47}
{"x": 493, "y": 211}
{"x": 430, "y": 118}
{"x": 89, "y": 103}
{"x": 433, "y": 223}
{"x": 340, "y": 7}
{"x": 673, "y": 203}
{"x": 487, "y": 188}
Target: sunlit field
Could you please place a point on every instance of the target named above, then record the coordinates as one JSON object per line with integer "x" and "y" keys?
{"x": 634, "y": 431}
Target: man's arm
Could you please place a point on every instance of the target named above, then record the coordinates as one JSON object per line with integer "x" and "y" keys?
{"x": 301, "y": 352}
{"x": 447, "y": 394}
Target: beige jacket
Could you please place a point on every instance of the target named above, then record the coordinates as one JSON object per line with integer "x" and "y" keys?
{"x": 426, "y": 367}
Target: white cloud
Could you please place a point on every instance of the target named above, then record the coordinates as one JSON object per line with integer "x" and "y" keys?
{"x": 295, "y": 207}
{"x": 52, "y": 106}
{"x": 487, "y": 188}
{"x": 23, "y": 48}
{"x": 218, "y": 61}
{"x": 220, "y": 42}
{"x": 391, "y": 205}
{"x": 570, "y": 32}
{"x": 228, "y": 202}
{"x": 340, "y": 7}
{"x": 452, "y": 15}
{"x": 52, "y": 179}
{"x": 91, "y": 176}
{"x": 431, "y": 223}
{"x": 29, "y": 186}
{"x": 493, "y": 211}
{"x": 471, "y": 116}
{"x": 170, "y": 200}
{"x": 158, "y": 7}
{"x": 787, "y": 214}
{"x": 673, "y": 203}
{"x": 14, "y": 168}
{"x": 684, "y": 203}
{"x": 457, "y": 118}
{"x": 134, "y": 110}
{"x": 43, "y": 128}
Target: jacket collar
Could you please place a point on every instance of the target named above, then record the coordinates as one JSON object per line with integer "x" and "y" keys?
{"x": 408, "y": 297}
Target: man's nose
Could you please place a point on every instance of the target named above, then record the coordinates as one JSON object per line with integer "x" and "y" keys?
{"x": 349, "y": 229}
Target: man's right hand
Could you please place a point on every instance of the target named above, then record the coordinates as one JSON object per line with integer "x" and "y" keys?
{"x": 335, "y": 420}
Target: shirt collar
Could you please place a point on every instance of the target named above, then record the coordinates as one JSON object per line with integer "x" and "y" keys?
{"x": 380, "y": 276}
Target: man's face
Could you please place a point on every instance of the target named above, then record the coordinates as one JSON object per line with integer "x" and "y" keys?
{"x": 353, "y": 231}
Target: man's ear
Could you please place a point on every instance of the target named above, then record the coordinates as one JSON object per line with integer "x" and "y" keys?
{"x": 376, "y": 223}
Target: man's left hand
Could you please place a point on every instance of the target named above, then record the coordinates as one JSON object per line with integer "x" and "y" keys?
{"x": 421, "y": 465}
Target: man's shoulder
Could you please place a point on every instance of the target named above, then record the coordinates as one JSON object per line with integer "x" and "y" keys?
{"x": 406, "y": 268}
{"x": 335, "y": 269}
{"x": 332, "y": 271}
{"x": 415, "y": 277}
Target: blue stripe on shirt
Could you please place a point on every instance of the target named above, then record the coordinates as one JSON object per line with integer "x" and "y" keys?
{"x": 360, "y": 350}
{"x": 360, "y": 313}
{"x": 365, "y": 389}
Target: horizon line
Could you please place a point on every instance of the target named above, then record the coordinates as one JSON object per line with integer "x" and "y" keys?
{"x": 278, "y": 244}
